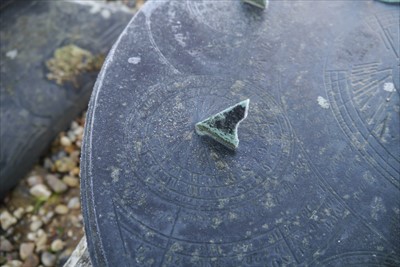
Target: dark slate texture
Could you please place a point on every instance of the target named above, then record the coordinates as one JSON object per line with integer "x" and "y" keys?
{"x": 315, "y": 180}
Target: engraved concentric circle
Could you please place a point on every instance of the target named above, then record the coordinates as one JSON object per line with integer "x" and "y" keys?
{"x": 197, "y": 169}
{"x": 221, "y": 21}
{"x": 208, "y": 40}
{"x": 362, "y": 83}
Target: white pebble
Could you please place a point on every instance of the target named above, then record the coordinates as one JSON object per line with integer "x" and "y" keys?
{"x": 56, "y": 184}
{"x": 41, "y": 241}
{"x": 18, "y": 213}
{"x": 79, "y": 143}
{"x": 46, "y": 219}
{"x": 71, "y": 135}
{"x": 61, "y": 209}
{"x": 34, "y": 180}
{"x": 74, "y": 203}
{"x": 71, "y": 181}
{"x": 13, "y": 263}
{"x": 48, "y": 259}
{"x": 74, "y": 125}
{"x": 65, "y": 141}
{"x": 41, "y": 191}
{"x": 6, "y": 220}
{"x": 79, "y": 131}
{"x": 57, "y": 245}
{"x": 31, "y": 236}
{"x": 25, "y": 250}
{"x": 35, "y": 225}
{"x": 29, "y": 209}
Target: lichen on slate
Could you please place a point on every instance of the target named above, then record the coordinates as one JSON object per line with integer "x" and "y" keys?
{"x": 70, "y": 61}
{"x": 222, "y": 127}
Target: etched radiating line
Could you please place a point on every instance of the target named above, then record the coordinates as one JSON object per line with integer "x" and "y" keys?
{"x": 118, "y": 225}
{"x": 346, "y": 111}
{"x": 384, "y": 32}
{"x": 157, "y": 49}
{"x": 169, "y": 237}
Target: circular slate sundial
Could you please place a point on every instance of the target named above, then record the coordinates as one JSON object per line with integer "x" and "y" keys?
{"x": 315, "y": 179}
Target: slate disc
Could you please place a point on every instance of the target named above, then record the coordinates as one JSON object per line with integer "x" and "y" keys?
{"x": 315, "y": 179}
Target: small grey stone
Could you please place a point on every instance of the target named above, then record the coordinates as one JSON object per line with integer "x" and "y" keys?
{"x": 59, "y": 155}
{"x": 31, "y": 236}
{"x": 74, "y": 125}
{"x": 41, "y": 191}
{"x": 31, "y": 261}
{"x": 65, "y": 141}
{"x": 46, "y": 218}
{"x": 5, "y": 245}
{"x": 79, "y": 131}
{"x": 42, "y": 211}
{"x": 48, "y": 259}
{"x": 35, "y": 225}
{"x": 65, "y": 164}
{"x": 41, "y": 241}
{"x": 6, "y": 220}
{"x": 61, "y": 209}
{"x": 18, "y": 213}
{"x": 75, "y": 155}
{"x": 57, "y": 245}
{"x": 29, "y": 209}
{"x": 56, "y": 184}
{"x": 71, "y": 181}
{"x": 74, "y": 203}
{"x": 78, "y": 143}
{"x": 13, "y": 263}
{"x": 71, "y": 135}
{"x": 48, "y": 164}
{"x": 25, "y": 250}
{"x": 34, "y": 180}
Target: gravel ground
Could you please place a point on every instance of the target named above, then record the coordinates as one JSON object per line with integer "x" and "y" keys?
{"x": 41, "y": 220}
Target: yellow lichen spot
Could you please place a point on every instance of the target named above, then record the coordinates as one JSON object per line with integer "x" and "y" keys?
{"x": 70, "y": 61}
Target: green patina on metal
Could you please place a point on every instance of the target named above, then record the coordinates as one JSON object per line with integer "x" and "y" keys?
{"x": 258, "y": 3}
{"x": 222, "y": 127}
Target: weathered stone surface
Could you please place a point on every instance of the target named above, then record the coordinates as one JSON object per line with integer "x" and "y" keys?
{"x": 315, "y": 180}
